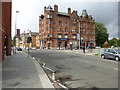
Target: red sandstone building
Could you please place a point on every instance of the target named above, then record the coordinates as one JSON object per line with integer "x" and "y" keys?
{"x": 5, "y": 28}
{"x": 59, "y": 29}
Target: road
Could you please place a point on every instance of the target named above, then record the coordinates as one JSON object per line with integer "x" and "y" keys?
{"x": 84, "y": 71}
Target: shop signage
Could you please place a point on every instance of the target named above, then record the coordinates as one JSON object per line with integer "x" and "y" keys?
{"x": 40, "y": 40}
{"x": 64, "y": 39}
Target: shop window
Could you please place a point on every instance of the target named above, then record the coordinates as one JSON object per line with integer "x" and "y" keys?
{"x": 66, "y": 36}
{"x": 73, "y": 30}
{"x": 59, "y": 36}
{"x": 74, "y": 36}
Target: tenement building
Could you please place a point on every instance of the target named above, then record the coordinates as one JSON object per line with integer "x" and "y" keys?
{"x": 22, "y": 40}
{"x": 59, "y": 29}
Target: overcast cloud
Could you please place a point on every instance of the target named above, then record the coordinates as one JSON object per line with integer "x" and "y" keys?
{"x": 30, "y": 10}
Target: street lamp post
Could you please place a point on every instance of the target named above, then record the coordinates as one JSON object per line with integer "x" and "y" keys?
{"x": 15, "y": 29}
{"x": 79, "y": 33}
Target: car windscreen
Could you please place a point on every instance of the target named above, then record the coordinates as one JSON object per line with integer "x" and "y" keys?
{"x": 117, "y": 50}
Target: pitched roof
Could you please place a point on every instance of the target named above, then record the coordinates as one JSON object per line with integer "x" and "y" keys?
{"x": 34, "y": 33}
{"x": 26, "y": 35}
{"x": 63, "y": 13}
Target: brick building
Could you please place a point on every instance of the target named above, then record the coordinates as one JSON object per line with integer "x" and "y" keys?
{"x": 37, "y": 41}
{"x": 22, "y": 40}
{"x": 60, "y": 29}
{"x": 5, "y": 28}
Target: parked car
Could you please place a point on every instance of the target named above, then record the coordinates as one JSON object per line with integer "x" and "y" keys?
{"x": 97, "y": 47}
{"x": 19, "y": 49}
{"x": 27, "y": 48}
{"x": 68, "y": 48}
{"x": 111, "y": 54}
{"x": 33, "y": 48}
{"x": 77, "y": 48}
{"x": 61, "y": 48}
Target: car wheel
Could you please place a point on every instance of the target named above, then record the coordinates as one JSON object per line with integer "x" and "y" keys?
{"x": 103, "y": 56}
{"x": 116, "y": 58}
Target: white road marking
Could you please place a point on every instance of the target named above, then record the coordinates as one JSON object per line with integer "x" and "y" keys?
{"x": 87, "y": 62}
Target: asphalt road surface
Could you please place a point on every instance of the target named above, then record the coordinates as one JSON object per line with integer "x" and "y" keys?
{"x": 84, "y": 71}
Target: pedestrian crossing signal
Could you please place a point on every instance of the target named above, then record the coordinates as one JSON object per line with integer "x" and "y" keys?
{"x": 29, "y": 40}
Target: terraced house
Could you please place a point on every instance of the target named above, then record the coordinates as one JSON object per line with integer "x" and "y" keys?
{"x": 60, "y": 29}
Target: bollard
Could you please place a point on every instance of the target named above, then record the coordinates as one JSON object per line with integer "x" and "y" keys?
{"x": 53, "y": 76}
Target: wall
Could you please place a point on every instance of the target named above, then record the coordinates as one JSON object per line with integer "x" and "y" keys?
{"x": 6, "y": 24}
{"x": 1, "y": 30}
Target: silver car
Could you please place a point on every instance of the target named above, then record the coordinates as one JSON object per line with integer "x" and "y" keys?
{"x": 111, "y": 53}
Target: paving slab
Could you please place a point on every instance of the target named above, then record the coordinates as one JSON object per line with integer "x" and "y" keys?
{"x": 19, "y": 71}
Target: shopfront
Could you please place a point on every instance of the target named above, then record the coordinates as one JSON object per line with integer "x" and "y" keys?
{"x": 63, "y": 43}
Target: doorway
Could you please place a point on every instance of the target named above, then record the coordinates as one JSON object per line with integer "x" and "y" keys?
{"x": 87, "y": 45}
{"x": 59, "y": 44}
{"x": 48, "y": 45}
{"x": 66, "y": 44}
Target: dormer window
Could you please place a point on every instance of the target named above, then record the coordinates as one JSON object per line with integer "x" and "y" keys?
{"x": 49, "y": 8}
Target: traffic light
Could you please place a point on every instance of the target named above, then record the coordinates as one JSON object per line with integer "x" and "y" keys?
{"x": 29, "y": 40}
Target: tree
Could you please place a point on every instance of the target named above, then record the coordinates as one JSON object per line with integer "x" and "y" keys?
{"x": 13, "y": 42}
{"x": 113, "y": 42}
{"x": 118, "y": 42}
{"x": 101, "y": 34}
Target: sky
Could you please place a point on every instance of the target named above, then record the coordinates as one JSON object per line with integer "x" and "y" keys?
{"x": 104, "y": 11}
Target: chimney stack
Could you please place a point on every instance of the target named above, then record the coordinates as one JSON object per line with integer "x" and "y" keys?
{"x": 76, "y": 12}
{"x": 69, "y": 10}
{"x": 44, "y": 9}
{"x": 56, "y": 8}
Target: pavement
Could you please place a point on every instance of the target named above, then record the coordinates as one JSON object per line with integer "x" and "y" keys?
{"x": 19, "y": 71}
